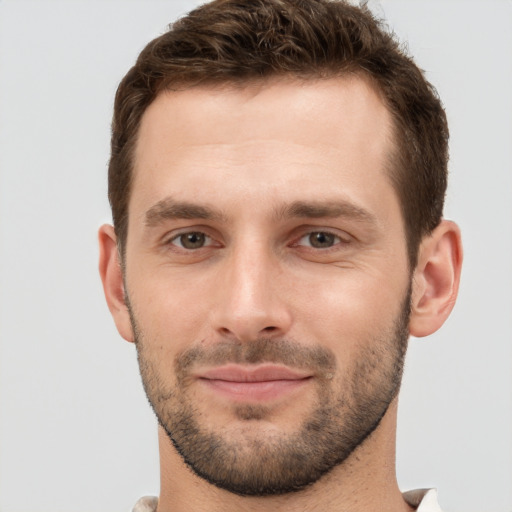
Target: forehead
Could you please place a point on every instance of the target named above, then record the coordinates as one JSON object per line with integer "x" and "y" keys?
{"x": 276, "y": 137}
{"x": 321, "y": 108}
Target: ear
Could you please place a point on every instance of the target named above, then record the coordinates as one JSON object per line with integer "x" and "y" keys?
{"x": 112, "y": 279}
{"x": 436, "y": 279}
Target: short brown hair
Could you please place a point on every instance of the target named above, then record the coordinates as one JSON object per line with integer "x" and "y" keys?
{"x": 237, "y": 41}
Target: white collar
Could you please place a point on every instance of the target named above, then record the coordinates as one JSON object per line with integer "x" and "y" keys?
{"x": 424, "y": 499}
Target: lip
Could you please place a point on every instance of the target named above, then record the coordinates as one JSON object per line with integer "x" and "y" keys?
{"x": 254, "y": 384}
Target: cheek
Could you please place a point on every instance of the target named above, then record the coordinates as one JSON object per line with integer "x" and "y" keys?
{"x": 349, "y": 312}
{"x": 172, "y": 313}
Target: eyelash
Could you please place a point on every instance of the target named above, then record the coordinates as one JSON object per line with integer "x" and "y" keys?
{"x": 183, "y": 234}
{"x": 336, "y": 240}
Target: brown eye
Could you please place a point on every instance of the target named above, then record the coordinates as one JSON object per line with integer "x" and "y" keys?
{"x": 322, "y": 240}
{"x": 192, "y": 240}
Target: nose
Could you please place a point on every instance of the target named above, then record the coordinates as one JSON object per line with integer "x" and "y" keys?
{"x": 251, "y": 296}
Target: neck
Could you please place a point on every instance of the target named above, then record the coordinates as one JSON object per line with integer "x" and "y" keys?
{"x": 366, "y": 482}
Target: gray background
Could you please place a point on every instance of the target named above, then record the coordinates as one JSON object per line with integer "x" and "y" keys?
{"x": 76, "y": 433}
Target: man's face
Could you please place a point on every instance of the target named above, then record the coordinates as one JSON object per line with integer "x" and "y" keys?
{"x": 267, "y": 277}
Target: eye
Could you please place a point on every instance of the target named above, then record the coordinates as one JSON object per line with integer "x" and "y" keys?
{"x": 191, "y": 240}
{"x": 320, "y": 240}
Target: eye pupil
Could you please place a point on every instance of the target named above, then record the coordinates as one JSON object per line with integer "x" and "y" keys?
{"x": 321, "y": 240}
{"x": 192, "y": 240}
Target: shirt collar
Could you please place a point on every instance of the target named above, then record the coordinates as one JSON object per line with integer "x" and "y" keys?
{"x": 425, "y": 500}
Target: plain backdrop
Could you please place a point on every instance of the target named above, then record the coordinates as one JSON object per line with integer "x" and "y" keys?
{"x": 76, "y": 433}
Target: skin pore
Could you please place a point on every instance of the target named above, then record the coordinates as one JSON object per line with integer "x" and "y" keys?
{"x": 267, "y": 288}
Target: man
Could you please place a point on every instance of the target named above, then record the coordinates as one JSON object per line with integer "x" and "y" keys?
{"x": 277, "y": 179}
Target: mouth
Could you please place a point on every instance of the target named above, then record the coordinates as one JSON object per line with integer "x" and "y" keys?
{"x": 260, "y": 383}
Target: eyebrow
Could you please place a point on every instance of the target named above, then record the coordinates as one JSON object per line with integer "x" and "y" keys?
{"x": 327, "y": 209}
{"x": 169, "y": 209}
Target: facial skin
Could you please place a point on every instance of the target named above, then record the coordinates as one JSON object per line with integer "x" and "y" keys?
{"x": 249, "y": 456}
{"x": 266, "y": 280}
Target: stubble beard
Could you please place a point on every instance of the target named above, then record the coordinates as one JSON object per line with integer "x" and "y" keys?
{"x": 268, "y": 463}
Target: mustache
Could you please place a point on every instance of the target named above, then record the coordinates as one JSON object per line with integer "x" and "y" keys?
{"x": 321, "y": 360}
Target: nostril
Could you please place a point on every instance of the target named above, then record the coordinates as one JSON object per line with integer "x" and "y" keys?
{"x": 270, "y": 329}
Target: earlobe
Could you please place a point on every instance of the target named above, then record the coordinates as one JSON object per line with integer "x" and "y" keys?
{"x": 436, "y": 279}
{"x": 112, "y": 279}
